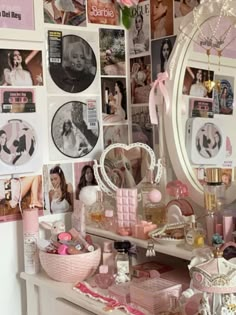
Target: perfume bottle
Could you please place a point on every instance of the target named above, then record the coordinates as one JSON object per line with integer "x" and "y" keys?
{"x": 110, "y": 222}
{"x": 146, "y": 187}
{"x": 194, "y": 235}
{"x": 97, "y": 210}
{"x": 104, "y": 279}
{"x": 155, "y": 209}
{"x": 122, "y": 261}
{"x": 214, "y": 199}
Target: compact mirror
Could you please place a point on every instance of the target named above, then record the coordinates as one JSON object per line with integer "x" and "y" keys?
{"x": 200, "y": 124}
{"x": 125, "y": 166}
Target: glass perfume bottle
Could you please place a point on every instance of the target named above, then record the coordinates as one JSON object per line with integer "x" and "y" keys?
{"x": 147, "y": 186}
{"x": 122, "y": 261}
{"x": 155, "y": 209}
{"x": 104, "y": 279}
{"x": 97, "y": 210}
{"x": 110, "y": 222}
{"x": 194, "y": 235}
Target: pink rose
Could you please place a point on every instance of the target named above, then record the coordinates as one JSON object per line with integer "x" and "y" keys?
{"x": 128, "y": 3}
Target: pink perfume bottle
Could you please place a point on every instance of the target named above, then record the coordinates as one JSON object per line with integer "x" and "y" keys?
{"x": 110, "y": 222}
{"x": 104, "y": 279}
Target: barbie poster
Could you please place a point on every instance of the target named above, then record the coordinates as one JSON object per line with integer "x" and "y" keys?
{"x": 139, "y": 34}
{"x": 103, "y": 12}
{"x": 16, "y": 14}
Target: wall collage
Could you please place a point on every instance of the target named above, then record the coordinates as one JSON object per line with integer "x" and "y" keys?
{"x": 96, "y": 76}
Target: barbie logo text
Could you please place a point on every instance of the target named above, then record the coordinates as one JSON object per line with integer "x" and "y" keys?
{"x": 106, "y": 12}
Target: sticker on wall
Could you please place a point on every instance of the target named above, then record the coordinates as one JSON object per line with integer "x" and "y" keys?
{"x": 21, "y": 67}
{"x": 17, "y": 101}
{"x": 139, "y": 33}
{"x": 75, "y": 128}
{"x": 66, "y": 12}
{"x": 72, "y": 62}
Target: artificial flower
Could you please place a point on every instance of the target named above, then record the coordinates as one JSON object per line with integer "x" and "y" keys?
{"x": 125, "y": 6}
{"x": 127, "y": 3}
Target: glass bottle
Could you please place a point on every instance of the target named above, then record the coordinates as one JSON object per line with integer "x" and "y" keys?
{"x": 104, "y": 279}
{"x": 147, "y": 186}
{"x": 97, "y": 210}
{"x": 194, "y": 235}
{"x": 122, "y": 261}
{"x": 110, "y": 222}
{"x": 155, "y": 209}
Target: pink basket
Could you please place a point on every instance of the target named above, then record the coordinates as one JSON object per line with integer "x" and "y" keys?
{"x": 70, "y": 268}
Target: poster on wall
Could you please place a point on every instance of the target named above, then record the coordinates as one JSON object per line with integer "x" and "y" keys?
{"x": 162, "y": 23}
{"x": 17, "y": 15}
{"x": 223, "y": 95}
{"x": 112, "y": 51}
{"x": 69, "y": 12}
{"x": 103, "y": 12}
{"x": 182, "y": 8}
{"x": 161, "y": 50}
{"x": 58, "y": 188}
{"x": 74, "y": 127}
{"x": 17, "y": 101}
{"x": 115, "y": 134}
{"x": 20, "y": 193}
{"x": 114, "y": 100}
{"x": 72, "y": 63}
{"x": 139, "y": 33}
{"x": 84, "y": 176}
{"x": 140, "y": 74}
{"x": 20, "y": 145}
{"x": 21, "y": 67}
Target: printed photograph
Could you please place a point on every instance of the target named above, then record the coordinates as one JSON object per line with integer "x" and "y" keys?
{"x": 115, "y": 134}
{"x": 223, "y": 95}
{"x": 72, "y": 62}
{"x": 58, "y": 188}
{"x": 195, "y": 82}
{"x": 142, "y": 130}
{"x": 21, "y": 67}
{"x": 114, "y": 100}
{"x": 72, "y": 132}
{"x": 84, "y": 176}
{"x": 183, "y": 7}
{"x": 18, "y": 142}
{"x": 20, "y": 16}
{"x": 140, "y": 74}
{"x": 66, "y": 12}
{"x": 112, "y": 51}
{"x": 201, "y": 108}
{"x": 17, "y": 101}
{"x": 103, "y": 12}
{"x": 162, "y": 23}
{"x": 139, "y": 33}
{"x": 16, "y": 193}
{"x": 161, "y": 50}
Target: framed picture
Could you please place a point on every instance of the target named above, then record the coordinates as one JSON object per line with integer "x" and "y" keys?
{"x": 21, "y": 20}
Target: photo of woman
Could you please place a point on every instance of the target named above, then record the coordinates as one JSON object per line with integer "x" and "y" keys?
{"x": 161, "y": 18}
{"x": 183, "y": 7}
{"x": 78, "y": 68}
{"x": 86, "y": 176}
{"x": 115, "y": 134}
{"x": 224, "y": 95}
{"x": 114, "y": 105}
{"x": 21, "y": 67}
{"x": 61, "y": 192}
{"x": 70, "y": 131}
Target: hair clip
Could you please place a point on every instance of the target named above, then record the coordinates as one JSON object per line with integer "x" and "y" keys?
{"x": 150, "y": 249}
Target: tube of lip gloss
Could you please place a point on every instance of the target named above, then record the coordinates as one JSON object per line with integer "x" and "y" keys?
{"x": 31, "y": 234}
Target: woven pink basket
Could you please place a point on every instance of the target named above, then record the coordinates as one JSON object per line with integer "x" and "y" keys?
{"x": 70, "y": 268}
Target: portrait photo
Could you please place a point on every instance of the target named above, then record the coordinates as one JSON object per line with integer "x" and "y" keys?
{"x": 114, "y": 100}
{"x": 66, "y": 12}
{"x": 24, "y": 192}
{"x": 139, "y": 32}
{"x": 115, "y": 134}
{"x": 21, "y": 67}
{"x": 183, "y": 7}
{"x": 195, "y": 82}
{"x": 140, "y": 79}
{"x": 161, "y": 50}
{"x": 72, "y": 62}
{"x": 162, "y": 23}
{"x": 223, "y": 95}
{"x": 58, "y": 188}
{"x": 71, "y": 132}
{"x": 84, "y": 176}
{"x": 112, "y": 51}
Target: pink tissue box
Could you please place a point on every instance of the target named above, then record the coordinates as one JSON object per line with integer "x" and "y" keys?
{"x": 121, "y": 292}
{"x": 141, "y": 230}
{"x": 154, "y": 294}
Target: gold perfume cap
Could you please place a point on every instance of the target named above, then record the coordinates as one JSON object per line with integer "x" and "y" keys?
{"x": 214, "y": 175}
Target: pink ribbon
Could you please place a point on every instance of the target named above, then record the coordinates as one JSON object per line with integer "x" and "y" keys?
{"x": 158, "y": 83}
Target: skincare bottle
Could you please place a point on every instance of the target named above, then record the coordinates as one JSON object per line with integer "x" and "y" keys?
{"x": 108, "y": 257}
{"x": 122, "y": 261}
{"x": 155, "y": 209}
{"x": 214, "y": 198}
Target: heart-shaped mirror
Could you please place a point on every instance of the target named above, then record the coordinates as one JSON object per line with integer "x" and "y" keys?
{"x": 125, "y": 166}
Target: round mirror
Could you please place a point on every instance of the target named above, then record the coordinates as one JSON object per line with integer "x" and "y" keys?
{"x": 200, "y": 124}
{"x": 125, "y": 166}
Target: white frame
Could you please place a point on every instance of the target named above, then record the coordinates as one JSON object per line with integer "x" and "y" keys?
{"x": 106, "y": 184}
{"x": 36, "y": 35}
{"x": 177, "y": 62}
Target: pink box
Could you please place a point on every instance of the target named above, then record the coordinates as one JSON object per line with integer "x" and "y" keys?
{"x": 142, "y": 229}
{"x": 155, "y": 294}
{"x": 145, "y": 269}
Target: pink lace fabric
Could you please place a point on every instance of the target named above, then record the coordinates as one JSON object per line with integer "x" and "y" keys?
{"x": 111, "y": 303}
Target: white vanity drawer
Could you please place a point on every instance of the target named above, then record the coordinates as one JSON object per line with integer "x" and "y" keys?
{"x": 62, "y": 307}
